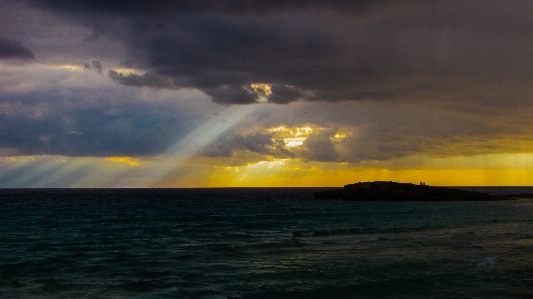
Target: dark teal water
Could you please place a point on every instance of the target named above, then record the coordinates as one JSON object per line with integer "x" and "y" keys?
{"x": 259, "y": 243}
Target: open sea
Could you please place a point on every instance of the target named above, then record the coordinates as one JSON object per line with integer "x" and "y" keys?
{"x": 260, "y": 243}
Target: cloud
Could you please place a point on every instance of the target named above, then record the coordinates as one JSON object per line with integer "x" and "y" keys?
{"x": 319, "y": 147}
{"x": 87, "y": 133}
{"x": 97, "y": 65}
{"x": 58, "y": 110}
{"x": 260, "y": 143}
{"x": 162, "y": 7}
{"x": 416, "y": 78}
{"x": 285, "y": 94}
{"x": 314, "y": 50}
{"x": 13, "y": 50}
{"x": 99, "y": 118}
{"x": 355, "y": 132}
{"x": 227, "y": 145}
{"x": 149, "y": 80}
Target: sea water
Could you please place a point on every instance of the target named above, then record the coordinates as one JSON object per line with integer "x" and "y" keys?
{"x": 259, "y": 243}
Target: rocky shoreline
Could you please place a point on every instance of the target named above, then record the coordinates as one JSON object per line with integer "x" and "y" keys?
{"x": 392, "y": 191}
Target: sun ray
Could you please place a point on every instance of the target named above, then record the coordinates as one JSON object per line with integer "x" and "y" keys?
{"x": 188, "y": 146}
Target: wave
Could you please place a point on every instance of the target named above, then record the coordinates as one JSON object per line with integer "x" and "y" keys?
{"x": 362, "y": 231}
{"x": 140, "y": 286}
{"x": 323, "y": 233}
{"x": 246, "y": 235}
{"x": 273, "y": 234}
{"x": 480, "y": 261}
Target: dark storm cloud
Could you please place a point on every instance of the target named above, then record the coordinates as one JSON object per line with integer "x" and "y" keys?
{"x": 285, "y": 94}
{"x": 150, "y": 80}
{"x": 231, "y": 94}
{"x": 323, "y": 50}
{"x": 463, "y": 57}
{"x": 13, "y": 50}
{"x": 161, "y": 7}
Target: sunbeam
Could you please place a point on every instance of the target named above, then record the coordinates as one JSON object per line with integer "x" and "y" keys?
{"x": 187, "y": 147}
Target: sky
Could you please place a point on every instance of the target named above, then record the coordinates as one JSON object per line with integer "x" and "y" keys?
{"x": 278, "y": 93}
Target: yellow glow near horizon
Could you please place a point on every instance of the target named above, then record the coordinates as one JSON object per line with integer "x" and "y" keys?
{"x": 452, "y": 171}
{"x": 81, "y": 68}
{"x": 18, "y": 159}
{"x": 483, "y": 170}
{"x": 261, "y": 176}
{"x": 126, "y": 160}
{"x": 72, "y": 67}
{"x": 128, "y": 71}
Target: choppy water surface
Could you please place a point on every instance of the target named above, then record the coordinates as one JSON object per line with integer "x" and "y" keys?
{"x": 259, "y": 243}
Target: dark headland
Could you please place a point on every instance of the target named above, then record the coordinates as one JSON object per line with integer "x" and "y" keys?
{"x": 392, "y": 191}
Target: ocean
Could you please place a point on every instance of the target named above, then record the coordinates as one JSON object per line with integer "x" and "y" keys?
{"x": 260, "y": 243}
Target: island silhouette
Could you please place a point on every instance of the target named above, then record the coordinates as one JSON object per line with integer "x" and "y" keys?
{"x": 393, "y": 191}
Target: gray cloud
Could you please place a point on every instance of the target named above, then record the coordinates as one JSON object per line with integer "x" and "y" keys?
{"x": 467, "y": 64}
{"x": 97, "y": 65}
{"x": 13, "y": 50}
{"x": 324, "y": 50}
{"x": 162, "y": 7}
{"x": 85, "y": 122}
{"x": 89, "y": 133}
{"x": 227, "y": 145}
{"x": 377, "y": 131}
{"x": 149, "y": 80}
{"x": 286, "y": 94}
{"x": 319, "y": 147}
{"x": 259, "y": 143}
